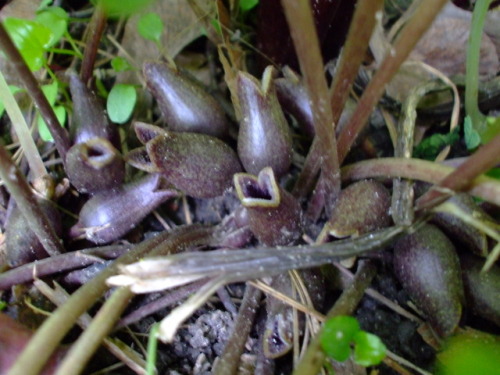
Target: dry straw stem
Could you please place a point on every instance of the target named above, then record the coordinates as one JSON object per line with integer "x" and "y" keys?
{"x": 301, "y": 24}
{"x": 416, "y": 27}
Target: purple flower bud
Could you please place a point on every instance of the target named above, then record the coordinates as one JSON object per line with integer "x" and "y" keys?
{"x": 264, "y": 138}
{"x": 94, "y": 165}
{"x": 21, "y": 243}
{"x": 481, "y": 288}
{"x": 89, "y": 118}
{"x": 199, "y": 165}
{"x": 294, "y": 99}
{"x": 108, "y": 215}
{"x": 427, "y": 265}
{"x": 362, "y": 207}
{"x": 274, "y": 215}
{"x": 185, "y": 105}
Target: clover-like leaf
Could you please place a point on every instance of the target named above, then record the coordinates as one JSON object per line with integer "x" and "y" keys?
{"x": 337, "y": 335}
{"x": 369, "y": 349}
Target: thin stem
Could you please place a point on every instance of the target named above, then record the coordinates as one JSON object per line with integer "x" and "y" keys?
{"x": 28, "y": 145}
{"x": 89, "y": 341}
{"x": 229, "y": 361}
{"x": 416, "y": 27}
{"x": 472, "y": 64}
{"x": 95, "y": 30}
{"x": 314, "y": 357}
{"x": 50, "y": 333}
{"x": 481, "y": 186}
{"x": 305, "y": 39}
{"x": 31, "y": 84}
{"x": 28, "y": 205}
{"x": 463, "y": 177}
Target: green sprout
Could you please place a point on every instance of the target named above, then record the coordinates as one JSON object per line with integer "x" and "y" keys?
{"x": 342, "y": 334}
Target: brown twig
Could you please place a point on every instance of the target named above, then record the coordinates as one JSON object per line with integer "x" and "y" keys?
{"x": 94, "y": 32}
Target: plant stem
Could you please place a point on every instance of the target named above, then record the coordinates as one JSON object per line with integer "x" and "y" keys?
{"x": 26, "y": 201}
{"x": 314, "y": 357}
{"x": 229, "y": 361}
{"x": 94, "y": 33}
{"x": 408, "y": 38}
{"x": 472, "y": 64}
{"x": 49, "y": 335}
{"x": 305, "y": 39}
{"x": 35, "y": 162}
{"x": 31, "y": 84}
{"x": 481, "y": 186}
{"x": 485, "y": 158}
{"x": 89, "y": 341}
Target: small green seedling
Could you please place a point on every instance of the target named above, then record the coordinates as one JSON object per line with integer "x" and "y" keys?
{"x": 430, "y": 147}
{"x": 120, "y": 64}
{"x": 152, "y": 349}
{"x": 246, "y": 5}
{"x": 121, "y": 102}
{"x": 51, "y": 92}
{"x": 150, "y": 27}
{"x": 342, "y": 334}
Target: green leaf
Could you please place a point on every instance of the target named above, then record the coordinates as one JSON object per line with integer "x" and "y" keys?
{"x": 56, "y": 19}
{"x": 50, "y": 92}
{"x": 337, "y": 335}
{"x": 43, "y": 130}
{"x": 494, "y": 173}
{"x": 491, "y": 130}
{"x": 470, "y": 353}
{"x": 430, "y": 147}
{"x": 471, "y": 136}
{"x": 31, "y": 38}
{"x": 118, "y": 8}
{"x": 3, "y": 305}
{"x": 13, "y": 89}
{"x": 246, "y": 5}
{"x": 121, "y": 102}
{"x": 120, "y": 64}
{"x": 369, "y": 349}
{"x": 150, "y": 27}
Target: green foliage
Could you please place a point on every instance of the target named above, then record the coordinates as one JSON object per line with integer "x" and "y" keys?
{"x": 494, "y": 173}
{"x": 150, "y": 27}
{"x": 340, "y": 333}
{"x": 152, "y": 349}
{"x": 56, "y": 19}
{"x": 470, "y": 353}
{"x": 50, "y": 91}
{"x": 491, "y": 130}
{"x": 430, "y": 147}
{"x": 119, "y": 64}
{"x": 118, "y": 8}
{"x": 246, "y": 5}
{"x": 3, "y": 305}
{"x": 471, "y": 136}
{"x": 121, "y": 102}
{"x": 31, "y": 38}
{"x": 369, "y": 349}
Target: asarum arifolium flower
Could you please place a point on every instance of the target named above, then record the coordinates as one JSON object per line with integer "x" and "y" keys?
{"x": 109, "y": 215}
{"x": 274, "y": 215}
{"x": 294, "y": 99}
{"x": 185, "y": 104}
{"x": 199, "y": 165}
{"x": 427, "y": 265}
{"x": 94, "y": 165}
{"x": 481, "y": 288}
{"x": 89, "y": 119}
{"x": 264, "y": 138}
{"x": 21, "y": 243}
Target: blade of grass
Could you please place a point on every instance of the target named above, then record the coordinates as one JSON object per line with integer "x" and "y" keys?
{"x": 33, "y": 157}
{"x": 152, "y": 349}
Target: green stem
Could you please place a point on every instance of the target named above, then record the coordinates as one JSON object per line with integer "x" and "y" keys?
{"x": 35, "y": 162}
{"x": 90, "y": 340}
{"x": 305, "y": 39}
{"x": 152, "y": 349}
{"x": 26, "y": 201}
{"x": 314, "y": 357}
{"x": 408, "y": 38}
{"x": 32, "y": 86}
{"x": 481, "y": 186}
{"x": 472, "y": 64}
